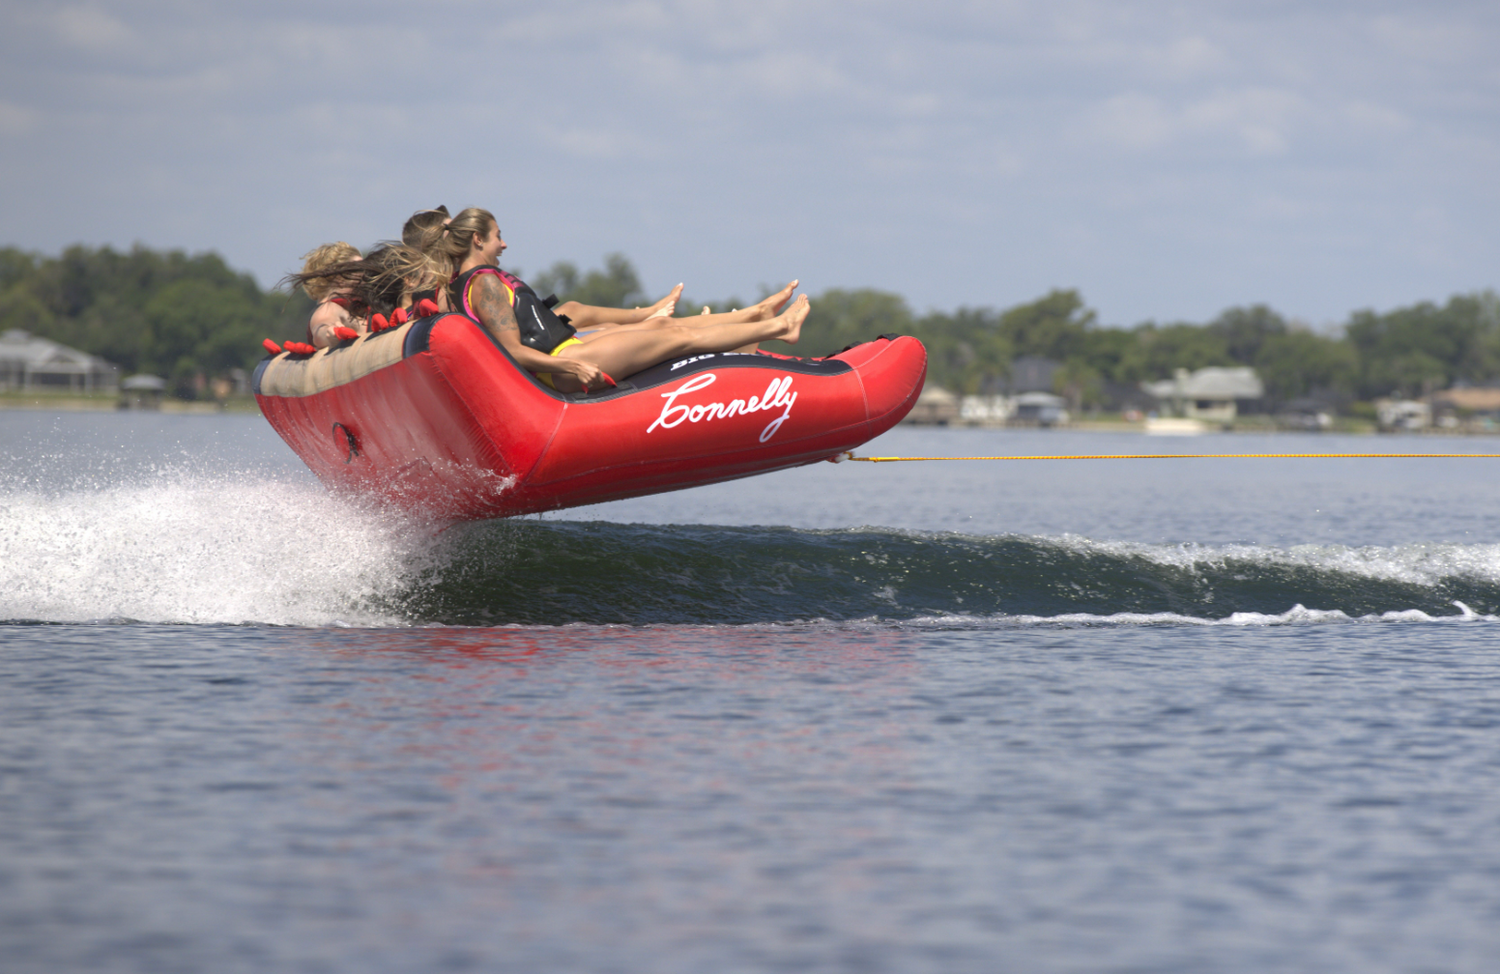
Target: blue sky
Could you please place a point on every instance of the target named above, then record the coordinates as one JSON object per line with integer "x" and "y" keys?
{"x": 1167, "y": 159}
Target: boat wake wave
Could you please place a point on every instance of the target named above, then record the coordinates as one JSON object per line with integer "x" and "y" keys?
{"x": 186, "y": 548}
{"x": 547, "y": 572}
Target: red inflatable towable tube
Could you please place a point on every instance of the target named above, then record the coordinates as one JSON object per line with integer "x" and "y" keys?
{"x": 435, "y": 416}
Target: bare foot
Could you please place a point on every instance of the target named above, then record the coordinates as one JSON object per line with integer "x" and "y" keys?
{"x": 793, "y": 319}
{"x": 770, "y": 306}
{"x": 666, "y": 305}
{"x": 706, "y": 310}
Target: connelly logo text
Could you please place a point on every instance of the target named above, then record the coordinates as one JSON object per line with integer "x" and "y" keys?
{"x": 778, "y": 395}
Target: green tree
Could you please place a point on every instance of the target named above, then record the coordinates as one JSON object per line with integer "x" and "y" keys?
{"x": 166, "y": 312}
{"x": 1299, "y": 363}
{"x": 1410, "y": 349}
{"x": 1103, "y": 350}
{"x": 16, "y": 266}
{"x": 1054, "y": 326}
{"x": 1160, "y": 349}
{"x": 615, "y": 286}
{"x": 966, "y": 351}
{"x": 1080, "y": 383}
{"x": 1245, "y": 331}
{"x": 183, "y": 315}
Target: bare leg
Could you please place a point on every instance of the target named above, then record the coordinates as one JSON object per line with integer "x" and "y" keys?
{"x": 589, "y": 316}
{"x": 763, "y": 310}
{"x": 770, "y": 306}
{"x": 622, "y": 353}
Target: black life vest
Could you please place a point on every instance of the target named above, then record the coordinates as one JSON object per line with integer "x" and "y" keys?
{"x": 541, "y": 327}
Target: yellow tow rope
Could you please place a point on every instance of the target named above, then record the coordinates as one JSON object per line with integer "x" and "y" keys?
{"x": 1183, "y": 456}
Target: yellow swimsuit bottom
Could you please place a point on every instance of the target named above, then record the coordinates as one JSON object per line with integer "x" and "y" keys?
{"x": 546, "y": 377}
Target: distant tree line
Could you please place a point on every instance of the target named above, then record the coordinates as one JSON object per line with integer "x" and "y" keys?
{"x": 165, "y": 313}
{"x": 1407, "y": 351}
{"x": 179, "y": 316}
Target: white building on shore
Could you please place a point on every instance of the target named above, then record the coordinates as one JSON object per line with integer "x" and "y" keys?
{"x": 29, "y": 362}
{"x": 1210, "y": 395}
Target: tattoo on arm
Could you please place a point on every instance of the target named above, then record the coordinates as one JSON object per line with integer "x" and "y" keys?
{"x": 499, "y": 319}
{"x": 493, "y": 309}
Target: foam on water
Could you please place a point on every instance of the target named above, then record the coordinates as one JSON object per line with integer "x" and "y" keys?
{"x": 184, "y": 547}
{"x": 1416, "y": 564}
{"x": 176, "y": 545}
{"x": 1297, "y": 614}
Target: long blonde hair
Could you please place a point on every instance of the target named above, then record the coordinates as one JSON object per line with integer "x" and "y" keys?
{"x": 461, "y": 231}
{"x": 423, "y": 224}
{"x": 375, "y": 283}
{"x": 320, "y": 259}
{"x": 446, "y": 250}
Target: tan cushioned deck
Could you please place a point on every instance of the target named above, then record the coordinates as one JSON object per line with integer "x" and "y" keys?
{"x": 330, "y": 367}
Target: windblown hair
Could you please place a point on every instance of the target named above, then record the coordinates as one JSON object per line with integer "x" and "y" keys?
{"x": 375, "y": 284}
{"x": 319, "y": 259}
{"x": 462, "y": 229}
{"x": 448, "y": 249}
{"x": 422, "y": 225}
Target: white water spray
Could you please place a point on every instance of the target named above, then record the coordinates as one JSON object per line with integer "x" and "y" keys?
{"x": 189, "y": 548}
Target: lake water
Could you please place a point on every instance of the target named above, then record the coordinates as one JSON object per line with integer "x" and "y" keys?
{"x": 1179, "y": 715}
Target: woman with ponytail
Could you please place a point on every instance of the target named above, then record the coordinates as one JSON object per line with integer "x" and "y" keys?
{"x": 548, "y": 345}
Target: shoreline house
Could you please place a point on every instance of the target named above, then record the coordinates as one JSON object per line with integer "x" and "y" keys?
{"x": 1212, "y": 395}
{"x": 29, "y": 362}
{"x": 985, "y": 410}
{"x": 141, "y": 391}
{"x": 1402, "y": 415}
{"x": 1040, "y": 409}
{"x": 1032, "y": 373}
{"x": 935, "y": 406}
{"x": 1473, "y": 408}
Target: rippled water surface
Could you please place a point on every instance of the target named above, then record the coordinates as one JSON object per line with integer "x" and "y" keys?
{"x": 1179, "y": 715}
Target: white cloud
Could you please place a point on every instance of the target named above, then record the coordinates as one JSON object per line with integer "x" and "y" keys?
{"x": 791, "y": 74}
{"x": 1191, "y": 57}
{"x": 600, "y": 143}
{"x": 1259, "y": 120}
{"x": 1380, "y": 119}
{"x": 15, "y": 120}
{"x": 1196, "y": 138}
{"x": 1428, "y": 36}
{"x": 917, "y": 105}
{"x": 91, "y": 28}
{"x": 1134, "y": 121}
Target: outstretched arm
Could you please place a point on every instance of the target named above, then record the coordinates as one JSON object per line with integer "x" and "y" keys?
{"x": 499, "y": 319}
{"x": 325, "y": 318}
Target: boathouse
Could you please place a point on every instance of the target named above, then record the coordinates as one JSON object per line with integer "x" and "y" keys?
{"x": 29, "y": 362}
